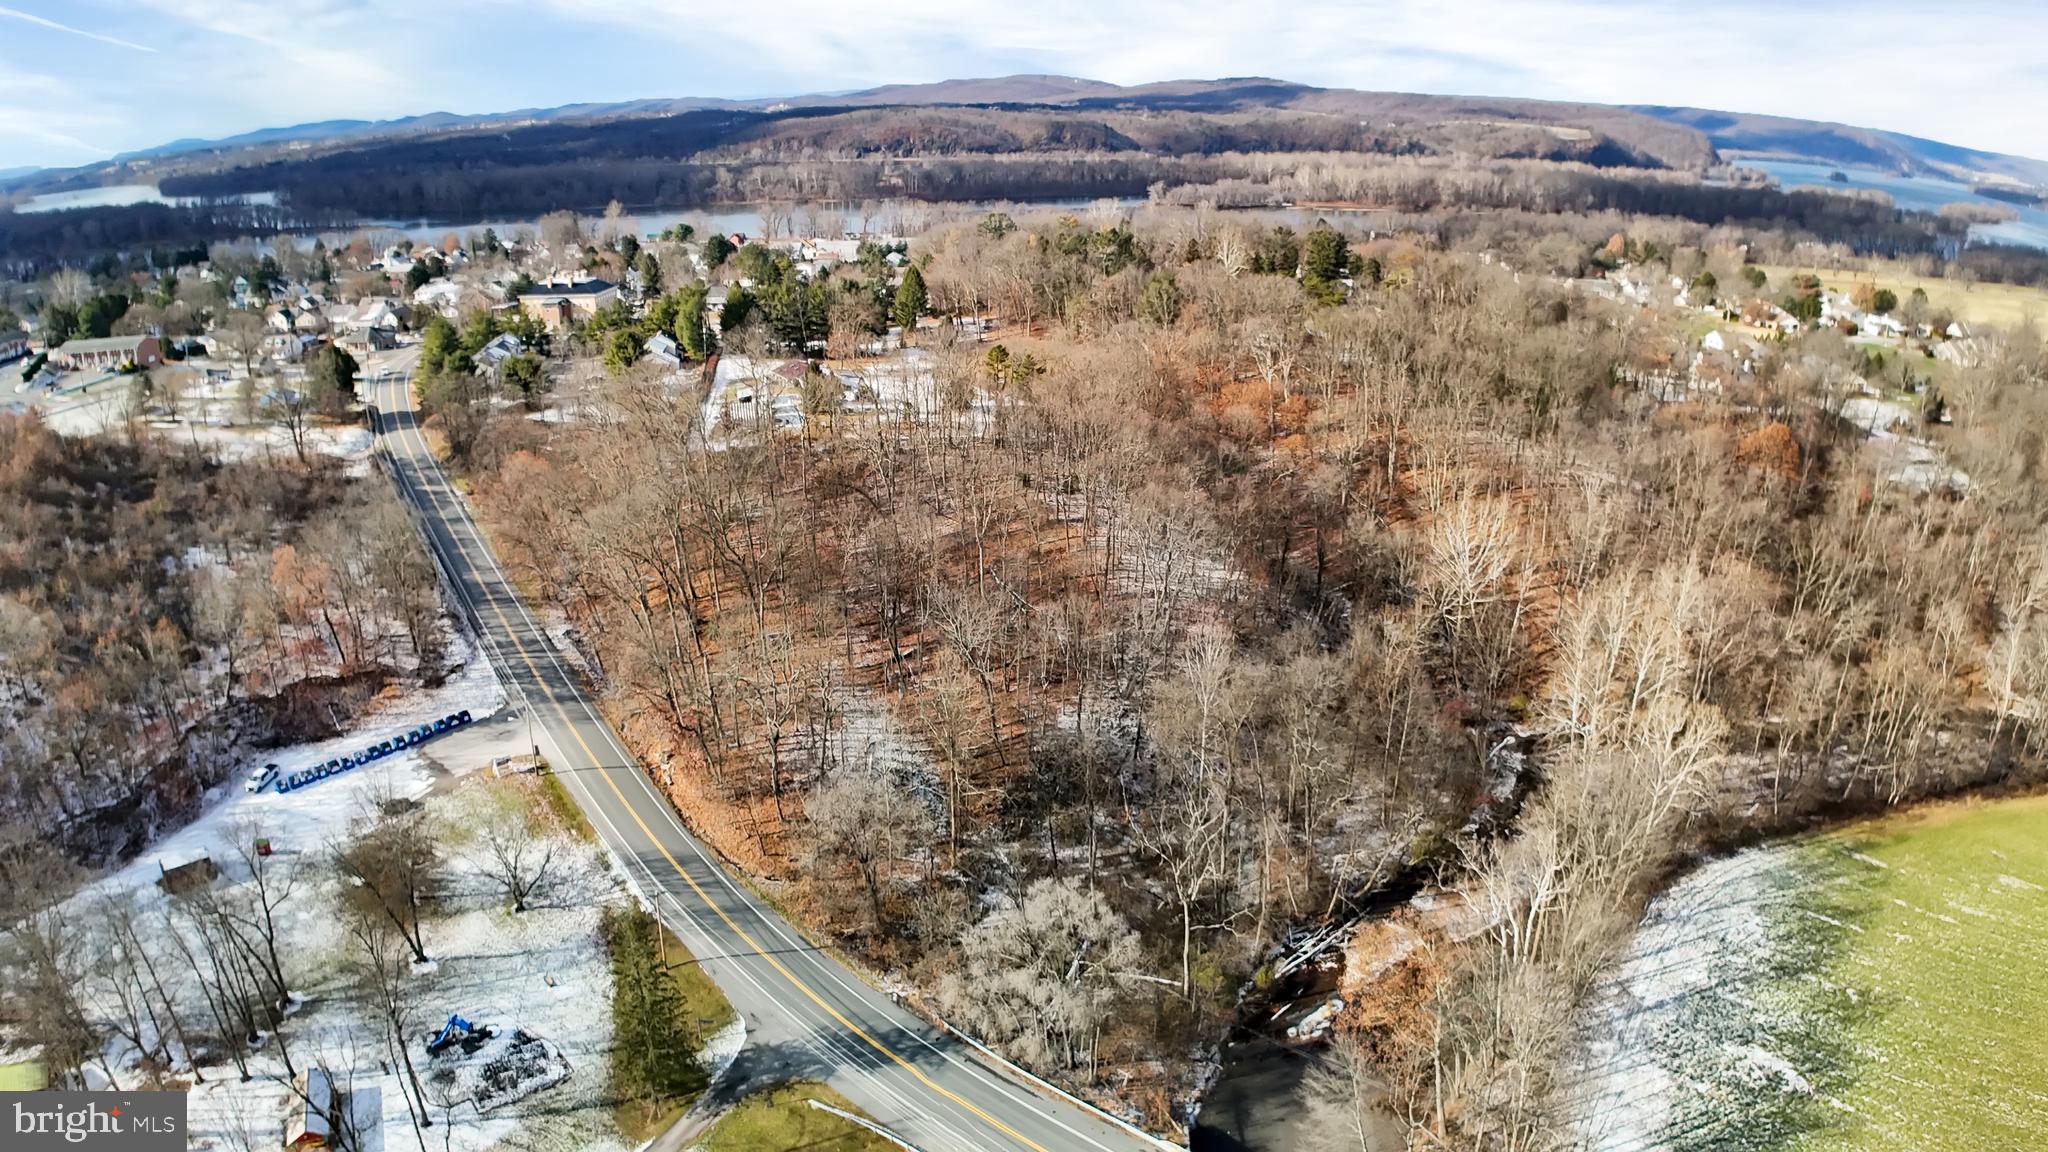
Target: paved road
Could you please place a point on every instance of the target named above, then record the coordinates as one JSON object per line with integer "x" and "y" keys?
{"x": 807, "y": 1014}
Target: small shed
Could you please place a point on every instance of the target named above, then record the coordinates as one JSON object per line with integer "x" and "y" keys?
{"x": 306, "y": 1125}
{"x": 190, "y": 876}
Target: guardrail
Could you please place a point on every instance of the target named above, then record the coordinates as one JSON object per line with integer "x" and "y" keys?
{"x": 864, "y": 1122}
{"x": 1008, "y": 1065}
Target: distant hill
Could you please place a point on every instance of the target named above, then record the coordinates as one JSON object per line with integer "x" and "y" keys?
{"x": 1605, "y": 135}
{"x": 1610, "y": 135}
{"x": 1738, "y": 134}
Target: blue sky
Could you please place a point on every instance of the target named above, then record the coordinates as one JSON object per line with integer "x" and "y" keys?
{"x": 83, "y": 79}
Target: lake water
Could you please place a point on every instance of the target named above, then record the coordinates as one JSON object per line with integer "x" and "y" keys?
{"x": 1920, "y": 193}
{"x": 120, "y": 196}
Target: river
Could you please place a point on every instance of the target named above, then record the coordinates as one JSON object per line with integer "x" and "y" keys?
{"x": 1920, "y": 193}
{"x": 122, "y": 195}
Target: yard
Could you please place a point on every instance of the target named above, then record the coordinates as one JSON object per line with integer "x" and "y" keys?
{"x": 781, "y": 1119}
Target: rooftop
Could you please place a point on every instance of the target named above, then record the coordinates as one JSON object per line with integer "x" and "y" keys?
{"x": 103, "y": 344}
{"x": 568, "y": 288}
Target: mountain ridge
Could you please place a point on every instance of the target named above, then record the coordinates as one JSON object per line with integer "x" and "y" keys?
{"x": 1733, "y": 135}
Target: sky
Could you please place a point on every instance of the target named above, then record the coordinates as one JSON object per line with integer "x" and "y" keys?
{"x": 83, "y": 79}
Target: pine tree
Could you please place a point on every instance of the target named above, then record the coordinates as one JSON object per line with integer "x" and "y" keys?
{"x": 911, "y": 299}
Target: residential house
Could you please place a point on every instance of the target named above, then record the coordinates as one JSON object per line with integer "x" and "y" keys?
{"x": 361, "y": 342}
{"x": 13, "y": 344}
{"x": 1968, "y": 352}
{"x": 563, "y": 301}
{"x": 443, "y": 296}
{"x": 289, "y": 347}
{"x": 369, "y": 312}
{"x": 109, "y": 353}
{"x": 662, "y": 347}
{"x": 493, "y": 354}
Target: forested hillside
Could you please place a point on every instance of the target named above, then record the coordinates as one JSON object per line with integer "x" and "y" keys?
{"x": 1220, "y": 592}
{"x": 160, "y": 608}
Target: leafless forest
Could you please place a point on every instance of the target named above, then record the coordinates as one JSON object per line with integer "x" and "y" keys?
{"x": 158, "y": 605}
{"x": 1205, "y": 606}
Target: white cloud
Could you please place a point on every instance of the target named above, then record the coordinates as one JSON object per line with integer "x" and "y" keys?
{"x": 1974, "y": 78}
{"x": 43, "y": 22}
{"x": 233, "y": 65}
{"x": 40, "y": 113}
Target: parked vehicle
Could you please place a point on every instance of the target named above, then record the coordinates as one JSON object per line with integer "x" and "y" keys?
{"x": 261, "y": 778}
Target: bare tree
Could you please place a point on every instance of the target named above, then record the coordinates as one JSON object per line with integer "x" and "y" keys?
{"x": 861, "y": 817}
{"x": 378, "y": 963}
{"x": 1041, "y": 978}
{"x": 393, "y": 863}
{"x": 521, "y": 860}
{"x": 46, "y": 956}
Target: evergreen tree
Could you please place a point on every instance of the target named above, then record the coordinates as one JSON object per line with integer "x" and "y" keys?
{"x": 739, "y": 304}
{"x": 653, "y": 1041}
{"x": 690, "y": 329}
{"x": 1161, "y": 301}
{"x": 911, "y": 299}
{"x": 650, "y": 273}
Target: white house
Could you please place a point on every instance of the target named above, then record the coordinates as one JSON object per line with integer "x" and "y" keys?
{"x": 443, "y": 296}
{"x": 662, "y": 348}
{"x": 371, "y": 312}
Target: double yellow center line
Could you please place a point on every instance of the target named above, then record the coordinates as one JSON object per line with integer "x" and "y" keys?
{"x": 424, "y": 453}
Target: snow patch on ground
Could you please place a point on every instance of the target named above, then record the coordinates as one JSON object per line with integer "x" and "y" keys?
{"x": 543, "y": 972}
{"x": 721, "y": 1049}
{"x": 1697, "y": 944}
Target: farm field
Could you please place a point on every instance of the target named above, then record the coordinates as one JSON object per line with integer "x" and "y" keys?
{"x": 1872, "y": 988}
{"x": 2000, "y": 305}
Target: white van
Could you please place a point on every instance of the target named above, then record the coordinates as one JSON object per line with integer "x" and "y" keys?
{"x": 262, "y": 778}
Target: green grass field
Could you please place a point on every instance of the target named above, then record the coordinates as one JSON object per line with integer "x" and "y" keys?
{"x": 779, "y": 1120}
{"x": 1947, "y": 966}
{"x": 1882, "y": 987}
{"x": 2002, "y": 305}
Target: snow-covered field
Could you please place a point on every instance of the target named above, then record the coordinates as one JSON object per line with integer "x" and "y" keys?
{"x": 543, "y": 971}
{"x": 1874, "y": 987}
{"x": 1646, "y": 1046}
{"x": 311, "y": 817}
{"x": 210, "y": 413}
